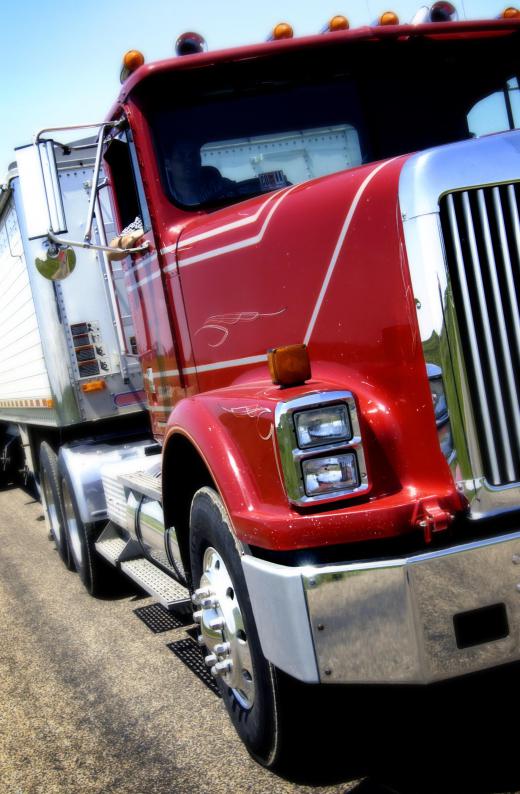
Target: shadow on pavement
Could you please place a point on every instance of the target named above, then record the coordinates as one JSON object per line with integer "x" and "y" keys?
{"x": 459, "y": 736}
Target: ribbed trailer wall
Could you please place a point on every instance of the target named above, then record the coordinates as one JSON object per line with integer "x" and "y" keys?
{"x": 56, "y": 337}
{"x": 24, "y": 383}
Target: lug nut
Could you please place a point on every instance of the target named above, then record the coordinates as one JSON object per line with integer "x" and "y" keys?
{"x": 202, "y": 592}
{"x": 210, "y": 660}
{"x": 221, "y": 648}
{"x": 200, "y": 640}
{"x": 216, "y": 623}
{"x": 209, "y": 603}
{"x": 223, "y": 667}
{"x": 197, "y": 616}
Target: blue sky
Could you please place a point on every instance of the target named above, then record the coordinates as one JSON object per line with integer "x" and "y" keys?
{"x": 61, "y": 59}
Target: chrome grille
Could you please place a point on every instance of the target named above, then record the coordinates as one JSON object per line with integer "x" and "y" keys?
{"x": 481, "y": 230}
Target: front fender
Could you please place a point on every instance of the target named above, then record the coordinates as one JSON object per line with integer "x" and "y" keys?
{"x": 232, "y": 430}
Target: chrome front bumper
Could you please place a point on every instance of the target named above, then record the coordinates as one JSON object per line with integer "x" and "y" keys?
{"x": 406, "y": 620}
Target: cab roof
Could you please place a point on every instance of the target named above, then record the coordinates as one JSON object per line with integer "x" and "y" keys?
{"x": 438, "y": 30}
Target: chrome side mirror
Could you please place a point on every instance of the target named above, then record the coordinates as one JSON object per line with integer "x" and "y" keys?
{"x": 58, "y": 262}
{"x": 40, "y": 187}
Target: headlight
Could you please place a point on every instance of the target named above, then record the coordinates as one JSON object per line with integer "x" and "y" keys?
{"x": 327, "y": 475}
{"x": 320, "y": 446}
{"x": 322, "y": 426}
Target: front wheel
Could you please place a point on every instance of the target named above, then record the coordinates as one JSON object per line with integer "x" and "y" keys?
{"x": 247, "y": 681}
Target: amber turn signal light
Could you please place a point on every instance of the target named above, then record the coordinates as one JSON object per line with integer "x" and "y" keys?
{"x": 93, "y": 385}
{"x": 290, "y": 365}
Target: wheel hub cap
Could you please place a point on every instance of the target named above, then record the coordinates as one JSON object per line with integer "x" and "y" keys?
{"x": 222, "y": 629}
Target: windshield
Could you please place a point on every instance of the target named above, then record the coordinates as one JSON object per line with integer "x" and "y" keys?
{"x": 241, "y": 129}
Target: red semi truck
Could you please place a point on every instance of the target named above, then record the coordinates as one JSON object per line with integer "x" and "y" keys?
{"x": 325, "y": 304}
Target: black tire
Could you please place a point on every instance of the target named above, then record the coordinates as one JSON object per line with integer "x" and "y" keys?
{"x": 52, "y": 503}
{"x": 95, "y": 573}
{"x": 258, "y": 725}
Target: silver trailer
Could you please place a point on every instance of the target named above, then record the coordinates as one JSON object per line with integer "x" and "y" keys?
{"x": 68, "y": 366}
{"x": 73, "y": 410}
{"x": 67, "y": 348}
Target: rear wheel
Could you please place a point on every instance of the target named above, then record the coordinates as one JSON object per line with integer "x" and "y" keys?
{"x": 94, "y": 572}
{"x": 247, "y": 681}
{"x": 52, "y": 503}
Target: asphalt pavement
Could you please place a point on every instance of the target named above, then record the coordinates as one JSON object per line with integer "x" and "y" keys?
{"x": 91, "y": 700}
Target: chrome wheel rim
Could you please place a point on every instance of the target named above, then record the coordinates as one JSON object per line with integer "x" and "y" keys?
{"x": 50, "y": 509}
{"x": 72, "y": 526}
{"x": 222, "y": 629}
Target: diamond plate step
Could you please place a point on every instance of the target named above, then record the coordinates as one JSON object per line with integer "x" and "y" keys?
{"x": 114, "y": 548}
{"x": 143, "y": 483}
{"x": 111, "y": 549}
{"x": 157, "y": 583}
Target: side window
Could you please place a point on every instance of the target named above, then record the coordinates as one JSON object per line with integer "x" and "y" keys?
{"x": 126, "y": 183}
{"x": 496, "y": 112}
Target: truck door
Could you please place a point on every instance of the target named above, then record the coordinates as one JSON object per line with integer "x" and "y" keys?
{"x": 153, "y": 343}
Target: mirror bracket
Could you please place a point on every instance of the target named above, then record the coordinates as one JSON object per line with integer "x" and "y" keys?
{"x": 92, "y": 247}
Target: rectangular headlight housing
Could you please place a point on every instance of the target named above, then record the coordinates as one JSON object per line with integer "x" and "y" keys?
{"x": 320, "y": 447}
{"x": 321, "y": 426}
{"x": 330, "y": 474}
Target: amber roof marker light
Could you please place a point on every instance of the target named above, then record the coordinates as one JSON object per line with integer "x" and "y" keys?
{"x": 510, "y": 13}
{"x": 388, "y": 18}
{"x": 132, "y": 60}
{"x": 281, "y": 31}
{"x": 335, "y": 24}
